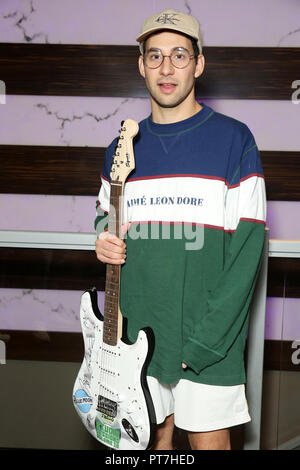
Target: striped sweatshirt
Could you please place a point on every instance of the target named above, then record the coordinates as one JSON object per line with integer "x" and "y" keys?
{"x": 197, "y": 203}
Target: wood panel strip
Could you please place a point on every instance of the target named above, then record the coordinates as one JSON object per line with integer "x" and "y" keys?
{"x": 80, "y": 270}
{"x": 282, "y": 175}
{"x": 43, "y": 346}
{"x": 29, "y": 268}
{"x": 283, "y": 277}
{"x": 282, "y": 355}
{"x": 53, "y": 170}
{"x": 69, "y": 347}
{"x": 109, "y": 70}
{"x": 34, "y": 169}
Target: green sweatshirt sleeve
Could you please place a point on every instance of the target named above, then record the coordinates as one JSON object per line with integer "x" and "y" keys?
{"x": 228, "y": 304}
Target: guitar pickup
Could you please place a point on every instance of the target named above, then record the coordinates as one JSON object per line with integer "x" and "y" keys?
{"x": 107, "y": 406}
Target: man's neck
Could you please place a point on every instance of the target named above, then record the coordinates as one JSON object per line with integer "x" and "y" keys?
{"x": 183, "y": 111}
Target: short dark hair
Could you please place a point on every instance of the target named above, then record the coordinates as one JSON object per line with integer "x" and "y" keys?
{"x": 195, "y": 46}
{"x": 193, "y": 40}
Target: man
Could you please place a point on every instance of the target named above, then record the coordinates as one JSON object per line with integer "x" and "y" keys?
{"x": 199, "y": 171}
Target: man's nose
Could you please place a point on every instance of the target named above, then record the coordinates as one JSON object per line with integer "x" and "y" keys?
{"x": 167, "y": 67}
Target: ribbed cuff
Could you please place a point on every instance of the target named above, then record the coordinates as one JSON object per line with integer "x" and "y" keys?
{"x": 198, "y": 356}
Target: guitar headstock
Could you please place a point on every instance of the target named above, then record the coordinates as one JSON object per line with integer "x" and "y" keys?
{"x": 123, "y": 158}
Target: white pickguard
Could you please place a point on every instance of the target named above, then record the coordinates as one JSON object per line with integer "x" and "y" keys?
{"x": 113, "y": 372}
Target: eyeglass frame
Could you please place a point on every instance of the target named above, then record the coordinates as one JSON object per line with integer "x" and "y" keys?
{"x": 163, "y": 57}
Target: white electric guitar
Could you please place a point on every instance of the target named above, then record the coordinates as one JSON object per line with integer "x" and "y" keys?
{"x": 110, "y": 393}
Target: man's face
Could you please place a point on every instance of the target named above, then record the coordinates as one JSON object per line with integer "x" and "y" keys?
{"x": 169, "y": 86}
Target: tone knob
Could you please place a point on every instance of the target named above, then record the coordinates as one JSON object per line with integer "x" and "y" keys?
{"x": 130, "y": 430}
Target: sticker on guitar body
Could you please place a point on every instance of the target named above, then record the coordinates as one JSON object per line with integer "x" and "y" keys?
{"x": 108, "y": 430}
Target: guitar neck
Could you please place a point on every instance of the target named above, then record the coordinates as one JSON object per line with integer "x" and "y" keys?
{"x": 112, "y": 329}
{"x": 122, "y": 165}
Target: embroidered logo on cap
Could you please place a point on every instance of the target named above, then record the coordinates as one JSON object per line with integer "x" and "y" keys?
{"x": 167, "y": 18}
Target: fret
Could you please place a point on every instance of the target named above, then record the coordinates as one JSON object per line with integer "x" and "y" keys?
{"x": 110, "y": 335}
{"x": 111, "y": 295}
{"x": 111, "y": 299}
{"x": 112, "y": 304}
{"x": 110, "y": 318}
{"x": 111, "y": 284}
{"x": 109, "y": 313}
{"x": 113, "y": 270}
{"x": 111, "y": 323}
{"x": 111, "y": 330}
{"x": 113, "y": 274}
{"x": 111, "y": 310}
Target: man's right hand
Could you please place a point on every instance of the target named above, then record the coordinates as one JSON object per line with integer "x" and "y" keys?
{"x": 111, "y": 249}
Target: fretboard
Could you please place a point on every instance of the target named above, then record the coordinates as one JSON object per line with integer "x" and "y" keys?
{"x": 111, "y": 329}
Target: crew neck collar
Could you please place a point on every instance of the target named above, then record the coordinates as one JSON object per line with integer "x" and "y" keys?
{"x": 181, "y": 126}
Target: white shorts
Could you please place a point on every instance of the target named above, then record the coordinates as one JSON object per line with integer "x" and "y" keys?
{"x": 199, "y": 407}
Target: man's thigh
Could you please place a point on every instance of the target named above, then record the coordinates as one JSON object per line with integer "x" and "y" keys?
{"x": 212, "y": 440}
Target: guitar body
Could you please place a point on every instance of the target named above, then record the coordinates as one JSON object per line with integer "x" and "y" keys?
{"x": 110, "y": 393}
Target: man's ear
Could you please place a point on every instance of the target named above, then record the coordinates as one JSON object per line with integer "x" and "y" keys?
{"x": 199, "y": 66}
{"x": 141, "y": 66}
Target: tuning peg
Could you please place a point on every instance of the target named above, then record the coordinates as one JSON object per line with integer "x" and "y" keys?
{"x": 122, "y": 122}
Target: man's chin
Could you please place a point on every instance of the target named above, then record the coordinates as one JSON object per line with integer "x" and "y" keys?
{"x": 169, "y": 102}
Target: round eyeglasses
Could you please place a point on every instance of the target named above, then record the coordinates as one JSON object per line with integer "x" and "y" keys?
{"x": 179, "y": 57}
